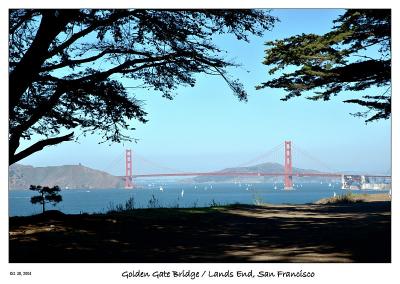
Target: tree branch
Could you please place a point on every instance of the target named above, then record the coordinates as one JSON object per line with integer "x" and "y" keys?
{"x": 39, "y": 112}
{"x": 39, "y": 146}
{"x": 28, "y": 15}
{"x": 92, "y": 58}
{"x": 122, "y": 68}
{"x": 29, "y": 66}
{"x": 71, "y": 40}
{"x": 73, "y": 62}
{"x": 94, "y": 26}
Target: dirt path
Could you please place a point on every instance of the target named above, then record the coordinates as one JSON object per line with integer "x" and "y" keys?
{"x": 358, "y": 232}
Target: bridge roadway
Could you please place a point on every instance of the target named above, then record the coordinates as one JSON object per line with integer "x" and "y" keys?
{"x": 334, "y": 175}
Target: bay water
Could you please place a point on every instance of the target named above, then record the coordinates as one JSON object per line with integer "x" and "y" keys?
{"x": 170, "y": 194}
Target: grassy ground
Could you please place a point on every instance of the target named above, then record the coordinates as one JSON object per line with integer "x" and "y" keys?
{"x": 334, "y": 232}
{"x": 348, "y": 198}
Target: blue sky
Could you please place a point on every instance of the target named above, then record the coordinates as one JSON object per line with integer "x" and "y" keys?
{"x": 207, "y": 128}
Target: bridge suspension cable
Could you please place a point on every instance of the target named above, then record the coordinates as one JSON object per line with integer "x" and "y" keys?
{"x": 265, "y": 155}
{"x": 325, "y": 166}
{"x": 157, "y": 165}
{"x": 116, "y": 161}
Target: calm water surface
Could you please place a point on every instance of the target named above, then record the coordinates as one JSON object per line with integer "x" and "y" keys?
{"x": 176, "y": 195}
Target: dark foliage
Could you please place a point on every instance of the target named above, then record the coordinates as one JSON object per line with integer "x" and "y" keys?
{"x": 338, "y": 61}
{"x": 47, "y": 195}
{"x": 65, "y": 66}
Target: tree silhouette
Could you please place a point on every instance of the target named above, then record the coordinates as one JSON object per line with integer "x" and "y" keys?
{"x": 337, "y": 61}
{"x": 47, "y": 195}
{"x": 66, "y": 66}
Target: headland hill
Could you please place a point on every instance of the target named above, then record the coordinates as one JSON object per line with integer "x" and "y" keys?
{"x": 82, "y": 177}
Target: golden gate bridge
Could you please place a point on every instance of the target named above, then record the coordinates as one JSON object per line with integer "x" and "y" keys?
{"x": 287, "y": 174}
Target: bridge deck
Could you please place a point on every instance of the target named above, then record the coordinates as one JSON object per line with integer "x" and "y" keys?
{"x": 334, "y": 175}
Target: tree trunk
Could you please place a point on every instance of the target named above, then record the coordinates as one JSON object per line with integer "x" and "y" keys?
{"x": 52, "y": 23}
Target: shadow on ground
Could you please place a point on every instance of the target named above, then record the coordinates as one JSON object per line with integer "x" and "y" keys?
{"x": 284, "y": 233}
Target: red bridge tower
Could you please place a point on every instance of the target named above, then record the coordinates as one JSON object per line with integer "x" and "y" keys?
{"x": 288, "y": 165}
{"x": 128, "y": 169}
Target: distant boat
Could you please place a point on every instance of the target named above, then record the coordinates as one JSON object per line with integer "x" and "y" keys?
{"x": 247, "y": 188}
{"x": 334, "y": 194}
{"x": 275, "y": 187}
{"x": 210, "y": 186}
{"x": 329, "y": 184}
{"x": 182, "y": 192}
{"x": 161, "y": 188}
{"x": 87, "y": 190}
